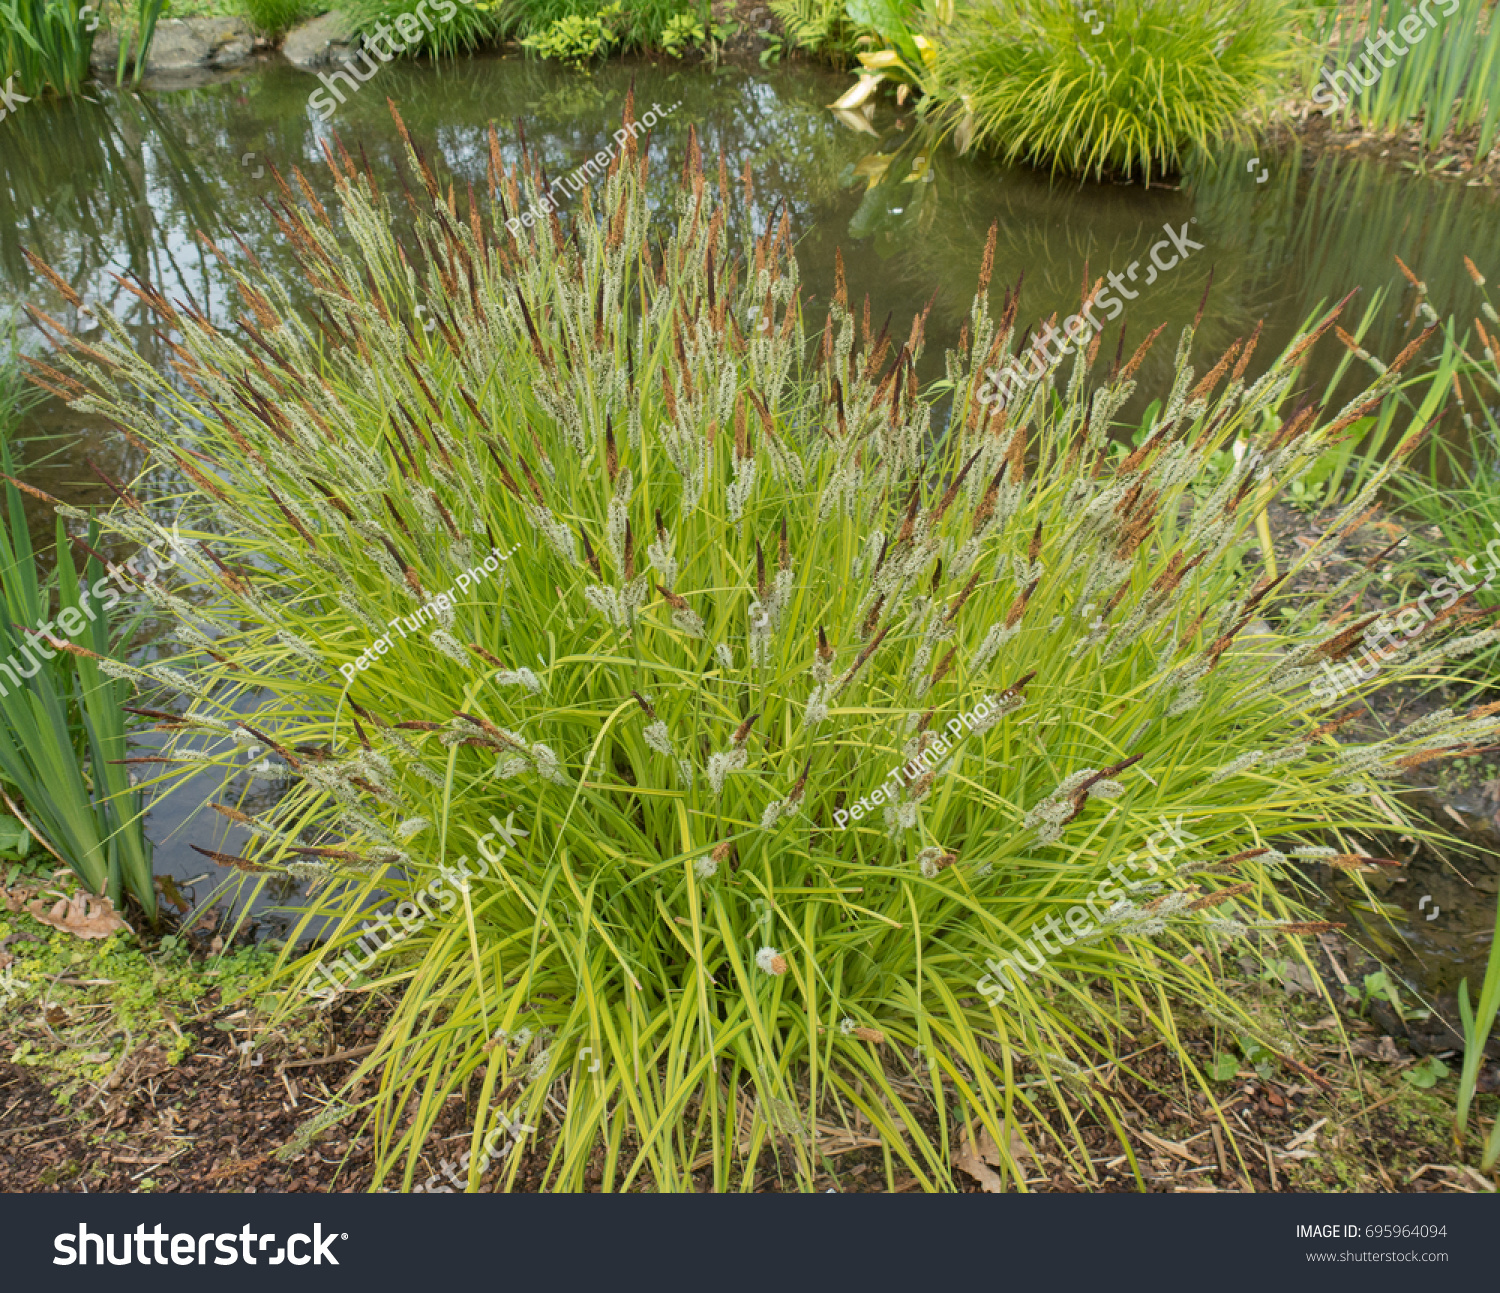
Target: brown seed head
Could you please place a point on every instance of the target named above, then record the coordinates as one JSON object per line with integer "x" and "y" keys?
{"x": 1221, "y": 895}
{"x": 673, "y": 600}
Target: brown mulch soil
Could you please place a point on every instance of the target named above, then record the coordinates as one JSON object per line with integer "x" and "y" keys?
{"x": 1316, "y": 133}
{"x": 209, "y": 1123}
{"x": 213, "y": 1122}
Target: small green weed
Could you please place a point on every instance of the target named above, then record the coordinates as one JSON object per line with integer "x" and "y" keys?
{"x": 100, "y": 997}
{"x": 1427, "y": 1074}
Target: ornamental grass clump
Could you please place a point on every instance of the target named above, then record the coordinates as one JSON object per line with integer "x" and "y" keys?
{"x": 1128, "y": 88}
{"x": 753, "y": 577}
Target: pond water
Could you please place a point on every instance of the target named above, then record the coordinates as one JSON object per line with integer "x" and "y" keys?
{"x": 123, "y": 182}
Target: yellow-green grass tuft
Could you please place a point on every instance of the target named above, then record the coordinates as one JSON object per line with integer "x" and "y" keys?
{"x": 745, "y": 578}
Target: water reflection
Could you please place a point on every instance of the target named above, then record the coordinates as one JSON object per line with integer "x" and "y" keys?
{"x": 125, "y": 185}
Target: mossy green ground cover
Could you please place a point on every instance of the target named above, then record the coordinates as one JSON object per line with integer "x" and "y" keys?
{"x": 83, "y": 1005}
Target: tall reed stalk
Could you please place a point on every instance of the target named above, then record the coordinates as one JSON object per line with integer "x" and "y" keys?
{"x": 1448, "y": 80}
{"x": 45, "y": 44}
{"x": 63, "y": 738}
{"x": 135, "y": 51}
{"x": 1477, "y": 1025}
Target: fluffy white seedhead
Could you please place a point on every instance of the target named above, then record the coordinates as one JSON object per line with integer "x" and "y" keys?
{"x": 817, "y": 708}
{"x": 721, "y": 765}
{"x": 658, "y": 738}
{"x": 770, "y": 961}
{"x": 522, "y": 677}
{"x": 412, "y": 826}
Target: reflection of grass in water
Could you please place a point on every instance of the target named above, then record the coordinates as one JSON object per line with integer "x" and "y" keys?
{"x": 104, "y": 205}
{"x": 1294, "y": 241}
{"x": 132, "y": 190}
{"x": 1341, "y": 226}
{"x": 928, "y": 230}
{"x": 574, "y": 97}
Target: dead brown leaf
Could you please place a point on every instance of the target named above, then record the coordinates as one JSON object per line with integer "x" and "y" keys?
{"x": 82, "y": 915}
{"x": 972, "y": 1162}
{"x": 979, "y": 1159}
{"x": 1383, "y": 1051}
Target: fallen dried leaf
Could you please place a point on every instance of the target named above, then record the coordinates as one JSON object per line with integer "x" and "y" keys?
{"x": 979, "y": 1159}
{"x": 1384, "y": 1051}
{"x": 82, "y": 915}
{"x": 972, "y": 1161}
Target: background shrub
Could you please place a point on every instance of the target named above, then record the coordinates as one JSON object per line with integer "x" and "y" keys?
{"x": 1159, "y": 77}
{"x": 475, "y": 23}
{"x": 819, "y": 27}
{"x": 632, "y": 25}
{"x": 273, "y": 17}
